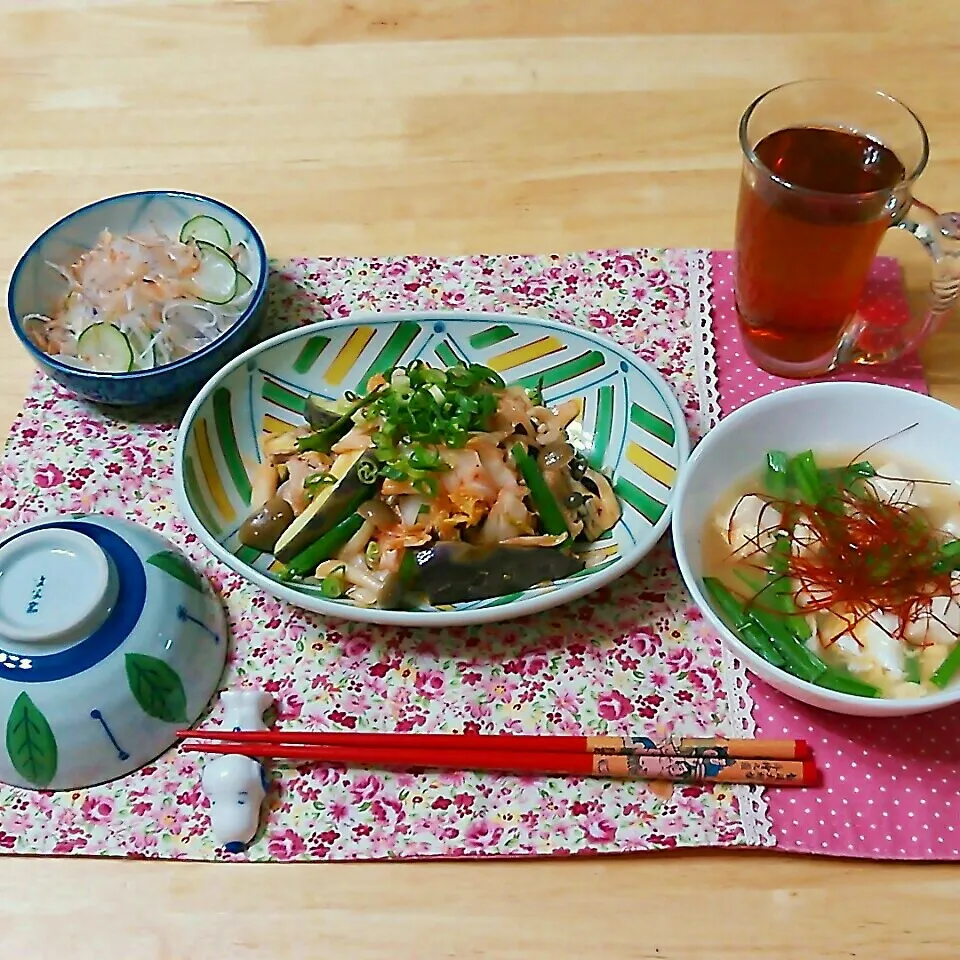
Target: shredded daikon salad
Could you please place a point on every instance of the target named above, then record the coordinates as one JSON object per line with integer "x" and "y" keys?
{"x": 142, "y": 300}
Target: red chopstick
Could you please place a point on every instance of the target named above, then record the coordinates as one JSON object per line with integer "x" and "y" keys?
{"x": 630, "y": 766}
{"x": 742, "y": 749}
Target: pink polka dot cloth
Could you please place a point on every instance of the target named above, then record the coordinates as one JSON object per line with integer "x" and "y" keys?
{"x": 740, "y": 380}
{"x": 891, "y": 788}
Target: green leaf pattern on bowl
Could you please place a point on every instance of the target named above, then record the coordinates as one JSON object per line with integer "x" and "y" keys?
{"x": 157, "y": 687}
{"x": 31, "y": 744}
{"x": 176, "y": 566}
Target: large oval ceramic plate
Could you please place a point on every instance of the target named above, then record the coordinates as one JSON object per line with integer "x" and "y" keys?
{"x": 630, "y": 425}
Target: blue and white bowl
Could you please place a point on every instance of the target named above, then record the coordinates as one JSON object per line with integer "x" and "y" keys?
{"x": 109, "y": 643}
{"x": 35, "y": 287}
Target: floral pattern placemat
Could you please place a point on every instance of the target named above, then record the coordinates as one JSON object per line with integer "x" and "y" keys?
{"x": 633, "y": 658}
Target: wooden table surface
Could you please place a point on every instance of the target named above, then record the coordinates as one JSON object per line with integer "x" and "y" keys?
{"x": 449, "y": 126}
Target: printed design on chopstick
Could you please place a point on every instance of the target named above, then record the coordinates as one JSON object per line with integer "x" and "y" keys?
{"x": 156, "y": 687}
{"x": 31, "y": 745}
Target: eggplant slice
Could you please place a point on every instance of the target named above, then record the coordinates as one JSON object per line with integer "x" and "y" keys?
{"x": 264, "y": 528}
{"x": 455, "y": 572}
{"x": 321, "y": 413}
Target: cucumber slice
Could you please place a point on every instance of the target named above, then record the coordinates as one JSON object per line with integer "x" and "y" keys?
{"x": 244, "y": 284}
{"x": 207, "y": 229}
{"x": 105, "y": 348}
{"x": 216, "y": 280}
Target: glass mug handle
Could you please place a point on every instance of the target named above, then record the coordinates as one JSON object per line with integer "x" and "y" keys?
{"x": 940, "y": 236}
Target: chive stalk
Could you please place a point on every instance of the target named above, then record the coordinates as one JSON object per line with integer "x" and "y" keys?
{"x": 806, "y": 476}
{"x": 776, "y": 477}
{"x": 551, "y": 516}
{"x": 325, "y": 547}
{"x": 733, "y": 611}
{"x": 841, "y": 682}
{"x": 948, "y": 669}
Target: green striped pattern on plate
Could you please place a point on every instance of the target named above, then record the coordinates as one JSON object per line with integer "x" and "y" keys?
{"x": 628, "y": 424}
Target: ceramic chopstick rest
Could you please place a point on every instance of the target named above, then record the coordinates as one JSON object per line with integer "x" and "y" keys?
{"x": 236, "y": 785}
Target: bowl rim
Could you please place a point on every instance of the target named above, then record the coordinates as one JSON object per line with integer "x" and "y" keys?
{"x": 132, "y": 375}
{"x": 429, "y": 618}
{"x": 881, "y": 706}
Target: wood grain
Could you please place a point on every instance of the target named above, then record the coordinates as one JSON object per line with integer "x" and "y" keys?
{"x": 450, "y": 126}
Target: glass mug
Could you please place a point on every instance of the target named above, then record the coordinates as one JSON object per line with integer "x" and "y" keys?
{"x": 828, "y": 169}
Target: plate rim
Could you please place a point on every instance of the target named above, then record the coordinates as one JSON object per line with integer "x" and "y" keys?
{"x": 429, "y": 618}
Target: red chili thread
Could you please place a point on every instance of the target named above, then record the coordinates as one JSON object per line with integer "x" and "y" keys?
{"x": 866, "y": 556}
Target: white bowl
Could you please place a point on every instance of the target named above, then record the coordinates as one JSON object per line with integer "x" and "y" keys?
{"x": 841, "y": 417}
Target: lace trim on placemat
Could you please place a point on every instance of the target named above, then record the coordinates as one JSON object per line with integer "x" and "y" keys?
{"x": 754, "y": 809}
{"x": 702, "y": 336}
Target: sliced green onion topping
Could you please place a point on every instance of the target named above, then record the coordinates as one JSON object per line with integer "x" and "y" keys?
{"x": 317, "y": 480}
{"x": 334, "y": 584}
{"x": 419, "y": 409}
